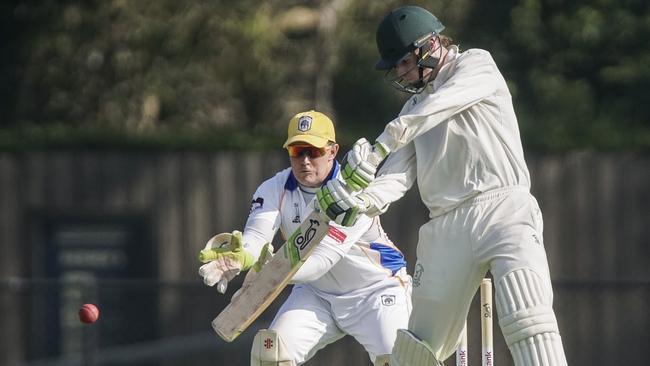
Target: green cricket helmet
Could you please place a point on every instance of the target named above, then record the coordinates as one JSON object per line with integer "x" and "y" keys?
{"x": 402, "y": 31}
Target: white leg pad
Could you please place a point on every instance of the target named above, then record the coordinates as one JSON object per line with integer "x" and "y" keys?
{"x": 525, "y": 306}
{"x": 409, "y": 350}
{"x": 542, "y": 349}
{"x": 268, "y": 350}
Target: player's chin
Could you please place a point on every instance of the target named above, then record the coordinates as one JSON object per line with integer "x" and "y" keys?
{"x": 306, "y": 177}
{"x": 414, "y": 82}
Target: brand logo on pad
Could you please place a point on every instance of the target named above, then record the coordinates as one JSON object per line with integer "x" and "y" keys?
{"x": 268, "y": 343}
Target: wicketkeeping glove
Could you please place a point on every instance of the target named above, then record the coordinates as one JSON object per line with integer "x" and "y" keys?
{"x": 361, "y": 163}
{"x": 225, "y": 258}
{"x": 265, "y": 256}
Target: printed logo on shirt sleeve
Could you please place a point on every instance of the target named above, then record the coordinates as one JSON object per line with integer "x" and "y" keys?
{"x": 336, "y": 234}
{"x": 257, "y": 203}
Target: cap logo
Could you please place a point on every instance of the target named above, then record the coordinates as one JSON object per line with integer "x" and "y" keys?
{"x": 304, "y": 123}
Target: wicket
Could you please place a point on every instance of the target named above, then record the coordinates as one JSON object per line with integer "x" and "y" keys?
{"x": 487, "y": 345}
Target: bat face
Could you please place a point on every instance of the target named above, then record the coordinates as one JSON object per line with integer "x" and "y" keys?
{"x": 274, "y": 276}
{"x": 300, "y": 240}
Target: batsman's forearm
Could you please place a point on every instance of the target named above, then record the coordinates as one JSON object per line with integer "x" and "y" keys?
{"x": 385, "y": 190}
{"x": 314, "y": 268}
{"x": 388, "y": 139}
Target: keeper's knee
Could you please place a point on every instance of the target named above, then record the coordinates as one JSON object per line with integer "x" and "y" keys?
{"x": 409, "y": 350}
{"x": 268, "y": 350}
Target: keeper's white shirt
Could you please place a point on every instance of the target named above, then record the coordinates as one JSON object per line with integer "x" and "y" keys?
{"x": 464, "y": 130}
{"x": 367, "y": 257}
{"x": 358, "y": 287}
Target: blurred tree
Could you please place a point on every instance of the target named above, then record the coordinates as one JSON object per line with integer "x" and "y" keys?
{"x": 150, "y": 64}
{"x": 578, "y": 71}
{"x": 9, "y": 62}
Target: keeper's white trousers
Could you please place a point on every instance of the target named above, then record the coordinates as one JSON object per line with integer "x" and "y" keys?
{"x": 309, "y": 320}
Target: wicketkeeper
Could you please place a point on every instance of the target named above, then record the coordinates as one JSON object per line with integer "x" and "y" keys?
{"x": 458, "y": 137}
{"x": 356, "y": 286}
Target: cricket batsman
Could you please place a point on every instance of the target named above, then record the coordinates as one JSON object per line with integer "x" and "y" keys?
{"x": 458, "y": 137}
{"x": 354, "y": 283}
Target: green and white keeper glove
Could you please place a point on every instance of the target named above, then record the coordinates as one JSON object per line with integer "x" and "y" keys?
{"x": 340, "y": 203}
{"x": 361, "y": 163}
{"x": 265, "y": 256}
{"x": 224, "y": 258}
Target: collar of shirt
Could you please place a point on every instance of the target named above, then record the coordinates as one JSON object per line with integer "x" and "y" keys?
{"x": 308, "y": 190}
{"x": 292, "y": 183}
{"x": 445, "y": 71}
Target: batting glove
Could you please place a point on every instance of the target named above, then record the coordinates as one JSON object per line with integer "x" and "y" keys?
{"x": 340, "y": 204}
{"x": 225, "y": 258}
{"x": 361, "y": 163}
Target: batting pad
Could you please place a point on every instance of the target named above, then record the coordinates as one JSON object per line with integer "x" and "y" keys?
{"x": 409, "y": 350}
{"x": 268, "y": 350}
{"x": 525, "y": 306}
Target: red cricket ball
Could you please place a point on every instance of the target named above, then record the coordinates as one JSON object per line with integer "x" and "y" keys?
{"x": 88, "y": 313}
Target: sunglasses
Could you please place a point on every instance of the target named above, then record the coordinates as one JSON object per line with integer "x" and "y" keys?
{"x": 296, "y": 151}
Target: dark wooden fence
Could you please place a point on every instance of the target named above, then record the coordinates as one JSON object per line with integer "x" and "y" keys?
{"x": 595, "y": 205}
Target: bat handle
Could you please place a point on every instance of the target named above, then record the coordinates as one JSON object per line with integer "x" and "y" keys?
{"x": 379, "y": 153}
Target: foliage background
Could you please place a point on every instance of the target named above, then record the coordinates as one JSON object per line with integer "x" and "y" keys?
{"x": 195, "y": 74}
{"x": 213, "y": 75}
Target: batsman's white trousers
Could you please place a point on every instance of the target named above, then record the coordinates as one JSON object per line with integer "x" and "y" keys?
{"x": 500, "y": 231}
{"x": 309, "y": 320}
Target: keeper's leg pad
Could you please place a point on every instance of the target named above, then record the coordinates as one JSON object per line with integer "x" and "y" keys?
{"x": 268, "y": 350}
{"x": 524, "y": 301}
{"x": 409, "y": 350}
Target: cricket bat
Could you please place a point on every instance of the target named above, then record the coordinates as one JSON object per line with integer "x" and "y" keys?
{"x": 257, "y": 295}
{"x": 274, "y": 276}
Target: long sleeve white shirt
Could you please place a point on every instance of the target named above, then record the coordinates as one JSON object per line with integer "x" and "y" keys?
{"x": 365, "y": 257}
{"x": 459, "y": 137}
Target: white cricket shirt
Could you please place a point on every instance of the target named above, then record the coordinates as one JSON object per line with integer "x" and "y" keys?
{"x": 464, "y": 132}
{"x": 365, "y": 257}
